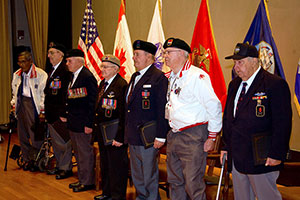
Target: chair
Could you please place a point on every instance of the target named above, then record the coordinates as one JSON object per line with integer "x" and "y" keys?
{"x": 162, "y": 166}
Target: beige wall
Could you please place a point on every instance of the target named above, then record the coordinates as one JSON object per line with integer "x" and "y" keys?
{"x": 230, "y": 19}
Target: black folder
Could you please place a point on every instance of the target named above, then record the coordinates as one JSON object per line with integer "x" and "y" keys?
{"x": 148, "y": 133}
{"x": 61, "y": 128}
{"x": 109, "y": 131}
{"x": 261, "y": 143}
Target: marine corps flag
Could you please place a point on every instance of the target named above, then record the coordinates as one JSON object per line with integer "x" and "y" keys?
{"x": 204, "y": 53}
{"x": 123, "y": 46}
{"x": 297, "y": 89}
{"x": 260, "y": 35}
{"x": 89, "y": 42}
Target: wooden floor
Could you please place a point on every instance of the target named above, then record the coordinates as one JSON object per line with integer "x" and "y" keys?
{"x": 18, "y": 184}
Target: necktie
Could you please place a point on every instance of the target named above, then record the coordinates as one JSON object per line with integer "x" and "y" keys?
{"x": 134, "y": 75}
{"x": 71, "y": 80}
{"x": 241, "y": 95}
{"x": 102, "y": 90}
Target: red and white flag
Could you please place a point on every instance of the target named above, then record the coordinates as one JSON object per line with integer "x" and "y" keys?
{"x": 89, "y": 42}
{"x": 123, "y": 46}
{"x": 204, "y": 53}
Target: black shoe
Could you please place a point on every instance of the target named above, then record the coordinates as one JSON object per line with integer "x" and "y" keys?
{"x": 82, "y": 188}
{"x": 53, "y": 171}
{"x": 102, "y": 197}
{"x": 34, "y": 168}
{"x": 26, "y": 166}
{"x": 64, "y": 174}
{"x": 72, "y": 185}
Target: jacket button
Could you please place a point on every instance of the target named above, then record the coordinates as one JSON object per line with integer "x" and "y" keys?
{"x": 128, "y": 110}
{"x": 67, "y": 112}
{"x": 96, "y": 114}
{"x": 95, "y": 125}
{"x": 66, "y": 104}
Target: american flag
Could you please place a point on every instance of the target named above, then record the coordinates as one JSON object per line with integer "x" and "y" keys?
{"x": 89, "y": 42}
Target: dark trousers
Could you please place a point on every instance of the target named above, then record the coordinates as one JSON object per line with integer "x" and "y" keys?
{"x": 84, "y": 155}
{"x": 26, "y": 120}
{"x": 114, "y": 170}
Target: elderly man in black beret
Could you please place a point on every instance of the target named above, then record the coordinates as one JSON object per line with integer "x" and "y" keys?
{"x": 195, "y": 117}
{"x": 80, "y": 111}
{"x": 146, "y": 99}
{"x": 110, "y": 111}
{"x": 55, "y": 102}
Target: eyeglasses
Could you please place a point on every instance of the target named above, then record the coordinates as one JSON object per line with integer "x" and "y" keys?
{"x": 106, "y": 67}
{"x": 169, "y": 51}
{"x": 52, "y": 52}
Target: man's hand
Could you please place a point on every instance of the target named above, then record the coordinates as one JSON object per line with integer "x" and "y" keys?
{"x": 222, "y": 155}
{"x": 63, "y": 119}
{"x": 209, "y": 145}
{"x": 42, "y": 117}
{"x": 88, "y": 130}
{"x": 272, "y": 162}
{"x": 158, "y": 144}
{"x": 117, "y": 144}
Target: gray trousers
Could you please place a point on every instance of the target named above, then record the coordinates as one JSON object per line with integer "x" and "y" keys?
{"x": 186, "y": 162}
{"x": 26, "y": 120}
{"x": 144, "y": 172}
{"x": 84, "y": 155}
{"x": 62, "y": 150}
{"x": 249, "y": 186}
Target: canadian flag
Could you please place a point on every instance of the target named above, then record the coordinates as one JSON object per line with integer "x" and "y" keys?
{"x": 123, "y": 46}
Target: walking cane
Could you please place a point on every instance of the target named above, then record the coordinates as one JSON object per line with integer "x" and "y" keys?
{"x": 221, "y": 175}
{"x": 11, "y": 116}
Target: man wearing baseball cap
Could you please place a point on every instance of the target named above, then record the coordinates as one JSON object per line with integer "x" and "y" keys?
{"x": 195, "y": 116}
{"x": 146, "y": 99}
{"x": 110, "y": 109}
{"x": 55, "y": 102}
{"x": 80, "y": 112}
{"x": 256, "y": 126}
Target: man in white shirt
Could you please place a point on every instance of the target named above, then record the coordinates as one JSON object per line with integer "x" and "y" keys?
{"x": 195, "y": 116}
{"x": 28, "y": 103}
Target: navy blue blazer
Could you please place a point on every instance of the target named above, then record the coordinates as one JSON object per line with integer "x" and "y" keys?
{"x": 80, "y": 110}
{"x": 55, "y": 99}
{"x": 154, "y": 82}
{"x": 277, "y": 118}
{"x": 115, "y": 91}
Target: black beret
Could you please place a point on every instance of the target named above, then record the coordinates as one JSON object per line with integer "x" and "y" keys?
{"x": 75, "y": 53}
{"x": 145, "y": 46}
{"x": 57, "y": 46}
{"x": 243, "y": 50}
{"x": 177, "y": 43}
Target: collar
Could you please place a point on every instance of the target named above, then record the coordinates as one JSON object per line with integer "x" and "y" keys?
{"x": 78, "y": 71}
{"x": 32, "y": 71}
{"x": 251, "y": 79}
{"x": 110, "y": 80}
{"x": 185, "y": 67}
{"x": 56, "y": 66}
{"x": 143, "y": 71}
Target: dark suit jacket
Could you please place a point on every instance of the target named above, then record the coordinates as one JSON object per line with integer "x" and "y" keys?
{"x": 55, "y": 99}
{"x": 136, "y": 115}
{"x": 81, "y": 111}
{"x": 115, "y": 91}
{"x": 237, "y": 131}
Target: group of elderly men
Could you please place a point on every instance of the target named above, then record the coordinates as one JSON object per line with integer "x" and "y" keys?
{"x": 180, "y": 107}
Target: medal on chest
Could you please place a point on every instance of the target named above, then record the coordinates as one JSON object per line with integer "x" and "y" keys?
{"x": 145, "y": 99}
